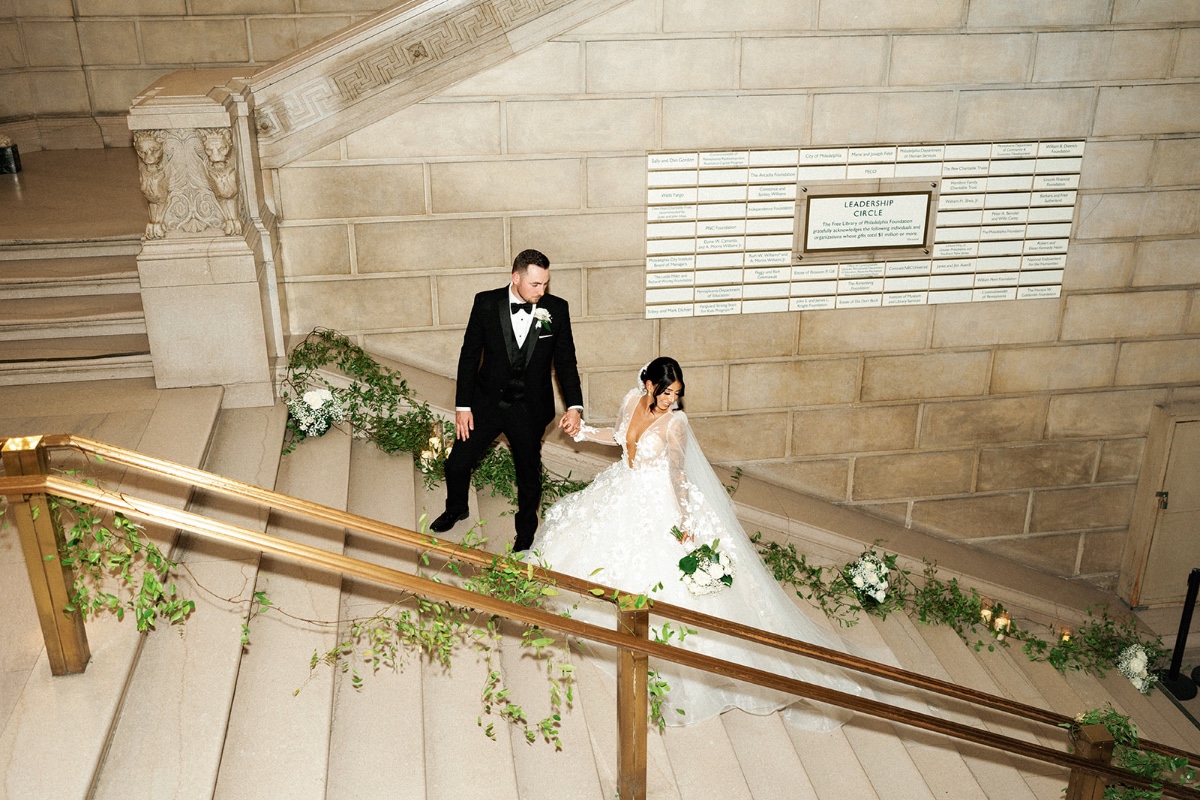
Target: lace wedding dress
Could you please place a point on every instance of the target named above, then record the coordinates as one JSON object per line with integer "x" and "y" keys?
{"x": 617, "y": 532}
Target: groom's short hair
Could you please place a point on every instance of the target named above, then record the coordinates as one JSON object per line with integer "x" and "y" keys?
{"x": 527, "y": 258}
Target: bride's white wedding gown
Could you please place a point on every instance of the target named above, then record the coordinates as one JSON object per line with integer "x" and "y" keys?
{"x": 617, "y": 532}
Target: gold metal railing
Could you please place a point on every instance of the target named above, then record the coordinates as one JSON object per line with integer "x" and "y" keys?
{"x": 28, "y": 481}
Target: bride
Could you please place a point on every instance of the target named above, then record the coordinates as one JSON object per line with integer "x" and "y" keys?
{"x": 618, "y": 531}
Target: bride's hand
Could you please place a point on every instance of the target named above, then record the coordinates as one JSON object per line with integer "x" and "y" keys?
{"x": 687, "y": 537}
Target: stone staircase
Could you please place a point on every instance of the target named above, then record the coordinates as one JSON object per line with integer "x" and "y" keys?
{"x": 191, "y": 713}
{"x": 70, "y": 299}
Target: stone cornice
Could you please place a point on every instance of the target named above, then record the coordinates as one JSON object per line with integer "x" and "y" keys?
{"x": 395, "y": 59}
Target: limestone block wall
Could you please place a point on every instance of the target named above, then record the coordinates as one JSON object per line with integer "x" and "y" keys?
{"x": 1016, "y": 427}
{"x": 69, "y": 68}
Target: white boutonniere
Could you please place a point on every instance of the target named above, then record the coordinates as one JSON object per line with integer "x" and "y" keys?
{"x": 543, "y": 319}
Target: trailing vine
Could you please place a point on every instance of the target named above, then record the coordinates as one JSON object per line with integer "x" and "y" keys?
{"x": 114, "y": 549}
{"x": 1158, "y": 768}
{"x": 413, "y": 624}
{"x": 380, "y": 407}
{"x": 1095, "y": 647}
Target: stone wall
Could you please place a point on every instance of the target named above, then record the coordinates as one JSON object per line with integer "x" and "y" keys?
{"x": 1016, "y": 427}
{"x": 69, "y": 68}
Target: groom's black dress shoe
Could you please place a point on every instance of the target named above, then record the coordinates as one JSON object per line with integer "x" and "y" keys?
{"x": 447, "y": 520}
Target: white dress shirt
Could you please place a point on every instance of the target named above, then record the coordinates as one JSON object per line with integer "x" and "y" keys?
{"x": 522, "y": 320}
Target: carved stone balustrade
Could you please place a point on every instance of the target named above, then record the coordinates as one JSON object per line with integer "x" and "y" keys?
{"x": 207, "y": 265}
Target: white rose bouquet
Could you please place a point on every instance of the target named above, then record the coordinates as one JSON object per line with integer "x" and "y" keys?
{"x": 314, "y": 413}
{"x": 869, "y": 577}
{"x": 1134, "y": 664}
{"x": 706, "y": 569}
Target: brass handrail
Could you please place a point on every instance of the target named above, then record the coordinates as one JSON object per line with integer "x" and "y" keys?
{"x": 245, "y": 491}
{"x": 26, "y": 485}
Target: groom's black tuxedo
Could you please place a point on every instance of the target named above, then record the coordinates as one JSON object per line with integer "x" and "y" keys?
{"x": 509, "y": 391}
{"x": 490, "y": 361}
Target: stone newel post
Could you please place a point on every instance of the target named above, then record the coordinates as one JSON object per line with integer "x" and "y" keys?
{"x": 207, "y": 265}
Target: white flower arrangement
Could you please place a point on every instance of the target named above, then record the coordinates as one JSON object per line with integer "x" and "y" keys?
{"x": 1134, "y": 664}
{"x": 315, "y": 412}
{"x": 869, "y": 577}
{"x": 542, "y": 317}
{"x": 706, "y": 569}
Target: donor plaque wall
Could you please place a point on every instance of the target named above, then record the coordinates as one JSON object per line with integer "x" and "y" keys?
{"x": 753, "y": 231}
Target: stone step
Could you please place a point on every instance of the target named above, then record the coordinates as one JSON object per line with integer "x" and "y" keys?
{"x": 990, "y": 770}
{"x": 941, "y": 766}
{"x": 67, "y": 721}
{"x": 180, "y": 694}
{"x": 72, "y": 312}
{"x": 376, "y": 743}
{"x": 966, "y": 668}
{"x": 99, "y": 369}
{"x": 576, "y": 768}
{"x": 68, "y": 249}
{"x": 72, "y": 348}
{"x": 72, "y": 316}
{"x": 69, "y": 275}
{"x": 68, "y": 196}
{"x": 278, "y": 733}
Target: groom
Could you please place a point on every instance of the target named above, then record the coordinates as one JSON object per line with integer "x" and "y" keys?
{"x": 514, "y": 335}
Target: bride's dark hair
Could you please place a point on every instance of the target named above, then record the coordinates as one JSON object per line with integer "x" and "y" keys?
{"x": 662, "y": 372}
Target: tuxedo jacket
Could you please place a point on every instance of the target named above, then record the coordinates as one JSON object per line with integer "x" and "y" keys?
{"x": 490, "y": 354}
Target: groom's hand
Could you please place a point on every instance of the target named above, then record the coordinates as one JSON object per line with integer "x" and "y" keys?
{"x": 464, "y": 423}
{"x": 571, "y": 421}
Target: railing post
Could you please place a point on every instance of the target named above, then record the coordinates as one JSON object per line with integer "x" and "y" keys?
{"x": 632, "y": 705}
{"x": 1094, "y": 743}
{"x": 41, "y": 539}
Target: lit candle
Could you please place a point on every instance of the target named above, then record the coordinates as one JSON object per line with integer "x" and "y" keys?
{"x": 1001, "y": 625}
{"x": 986, "y": 614}
{"x": 1064, "y": 634}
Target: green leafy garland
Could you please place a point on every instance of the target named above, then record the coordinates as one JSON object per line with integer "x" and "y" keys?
{"x": 381, "y": 408}
{"x": 1128, "y": 754}
{"x": 1095, "y": 647}
{"x": 119, "y": 570}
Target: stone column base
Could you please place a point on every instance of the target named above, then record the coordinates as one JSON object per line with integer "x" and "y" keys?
{"x": 204, "y": 317}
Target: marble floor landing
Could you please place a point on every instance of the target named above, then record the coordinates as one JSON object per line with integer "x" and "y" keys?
{"x": 74, "y": 195}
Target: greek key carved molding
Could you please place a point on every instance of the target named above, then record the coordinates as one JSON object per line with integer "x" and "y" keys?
{"x": 374, "y": 71}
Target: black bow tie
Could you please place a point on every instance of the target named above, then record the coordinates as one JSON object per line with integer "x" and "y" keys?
{"x": 526, "y": 307}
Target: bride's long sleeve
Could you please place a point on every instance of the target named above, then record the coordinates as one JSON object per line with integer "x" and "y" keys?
{"x": 588, "y": 433}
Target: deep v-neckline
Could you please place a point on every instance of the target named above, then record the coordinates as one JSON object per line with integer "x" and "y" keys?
{"x": 631, "y": 450}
